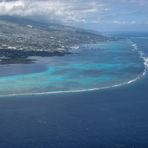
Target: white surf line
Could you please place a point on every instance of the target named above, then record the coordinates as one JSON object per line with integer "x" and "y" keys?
{"x": 77, "y": 91}
{"x": 145, "y": 59}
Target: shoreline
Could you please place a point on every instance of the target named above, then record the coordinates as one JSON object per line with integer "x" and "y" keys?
{"x": 8, "y": 56}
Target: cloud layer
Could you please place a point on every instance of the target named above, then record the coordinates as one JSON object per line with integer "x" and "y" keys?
{"x": 80, "y": 12}
{"x": 53, "y": 9}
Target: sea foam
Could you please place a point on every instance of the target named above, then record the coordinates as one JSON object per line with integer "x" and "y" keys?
{"x": 135, "y": 49}
{"x": 141, "y": 54}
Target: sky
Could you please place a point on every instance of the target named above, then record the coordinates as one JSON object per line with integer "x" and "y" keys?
{"x": 101, "y": 15}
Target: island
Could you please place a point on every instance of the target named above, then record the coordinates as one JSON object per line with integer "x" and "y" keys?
{"x": 20, "y": 37}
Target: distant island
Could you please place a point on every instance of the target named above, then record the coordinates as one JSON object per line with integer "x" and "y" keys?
{"x": 33, "y": 38}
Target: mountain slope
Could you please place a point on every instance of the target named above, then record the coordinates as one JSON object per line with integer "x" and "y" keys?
{"x": 22, "y": 35}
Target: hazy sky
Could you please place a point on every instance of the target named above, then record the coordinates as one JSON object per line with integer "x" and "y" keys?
{"x": 93, "y": 14}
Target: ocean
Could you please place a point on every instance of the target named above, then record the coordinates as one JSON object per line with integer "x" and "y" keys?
{"x": 94, "y": 98}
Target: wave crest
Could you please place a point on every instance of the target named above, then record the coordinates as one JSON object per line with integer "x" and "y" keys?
{"x": 135, "y": 48}
{"x": 141, "y": 53}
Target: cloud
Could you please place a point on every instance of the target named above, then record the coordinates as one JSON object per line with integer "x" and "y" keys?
{"x": 11, "y": 7}
{"x": 124, "y": 22}
{"x": 81, "y": 13}
{"x": 67, "y": 11}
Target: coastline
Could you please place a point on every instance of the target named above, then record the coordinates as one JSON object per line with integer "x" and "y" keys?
{"x": 107, "y": 118}
{"x": 118, "y": 84}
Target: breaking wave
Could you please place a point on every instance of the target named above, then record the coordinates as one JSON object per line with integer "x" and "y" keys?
{"x": 135, "y": 49}
{"x": 141, "y": 54}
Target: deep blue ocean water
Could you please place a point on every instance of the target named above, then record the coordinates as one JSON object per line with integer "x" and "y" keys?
{"x": 112, "y": 117}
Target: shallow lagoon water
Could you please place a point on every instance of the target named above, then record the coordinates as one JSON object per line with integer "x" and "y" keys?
{"x": 89, "y": 67}
{"x": 109, "y": 118}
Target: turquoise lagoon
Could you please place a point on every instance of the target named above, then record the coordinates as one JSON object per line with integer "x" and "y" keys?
{"x": 89, "y": 67}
